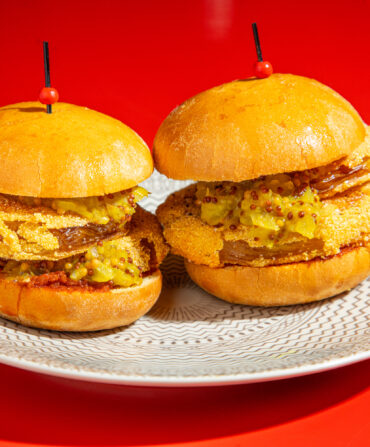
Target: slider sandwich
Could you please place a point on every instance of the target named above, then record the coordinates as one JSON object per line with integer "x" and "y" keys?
{"x": 77, "y": 253}
{"x": 280, "y": 213}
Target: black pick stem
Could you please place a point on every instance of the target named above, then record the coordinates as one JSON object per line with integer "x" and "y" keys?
{"x": 257, "y": 42}
{"x": 47, "y": 71}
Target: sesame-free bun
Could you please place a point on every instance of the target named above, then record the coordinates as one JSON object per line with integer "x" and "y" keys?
{"x": 282, "y": 285}
{"x": 248, "y": 128}
{"x": 72, "y": 152}
{"x": 66, "y": 309}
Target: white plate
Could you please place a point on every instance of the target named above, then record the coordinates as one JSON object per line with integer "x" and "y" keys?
{"x": 191, "y": 338}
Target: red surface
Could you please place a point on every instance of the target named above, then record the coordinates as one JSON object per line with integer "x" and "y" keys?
{"x": 136, "y": 60}
{"x": 326, "y": 409}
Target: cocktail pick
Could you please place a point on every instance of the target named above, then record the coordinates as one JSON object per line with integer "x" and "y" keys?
{"x": 262, "y": 69}
{"x": 48, "y": 94}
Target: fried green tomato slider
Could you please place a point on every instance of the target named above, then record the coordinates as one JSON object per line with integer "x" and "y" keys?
{"x": 77, "y": 252}
{"x": 280, "y": 211}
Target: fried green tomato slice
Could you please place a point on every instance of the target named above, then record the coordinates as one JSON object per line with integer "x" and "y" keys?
{"x": 122, "y": 262}
{"x": 52, "y": 229}
{"x": 341, "y": 221}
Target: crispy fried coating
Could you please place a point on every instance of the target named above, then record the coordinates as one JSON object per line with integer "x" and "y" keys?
{"x": 146, "y": 238}
{"x": 145, "y": 248}
{"x": 14, "y": 210}
{"x": 38, "y": 234}
{"x": 34, "y": 228}
{"x": 189, "y": 236}
{"x": 25, "y": 229}
{"x": 28, "y": 240}
{"x": 31, "y": 241}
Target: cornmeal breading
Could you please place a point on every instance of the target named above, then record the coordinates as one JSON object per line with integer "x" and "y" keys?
{"x": 344, "y": 221}
{"x": 143, "y": 250}
{"x": 38, "y": 234}
{"x": 28, "y": 240}
{"x": 34, "y": 242}
{"x": 13, "y": 210}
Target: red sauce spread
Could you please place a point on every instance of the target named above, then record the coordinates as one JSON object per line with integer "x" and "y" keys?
{"x": 59, "y": 280}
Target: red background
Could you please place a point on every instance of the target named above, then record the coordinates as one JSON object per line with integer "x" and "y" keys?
{"x": 136, "y": 60}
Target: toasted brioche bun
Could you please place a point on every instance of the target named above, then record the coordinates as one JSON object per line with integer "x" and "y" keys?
{"x": 282, "y": 285}
{"x": 72, "y": 152}
{"x": 72, "y": 310}
{"x": 245, "y": 129}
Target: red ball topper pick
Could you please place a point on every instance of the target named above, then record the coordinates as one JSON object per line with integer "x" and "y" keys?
{"x": 48, "y": 95}
{"x": 262, "y": 69}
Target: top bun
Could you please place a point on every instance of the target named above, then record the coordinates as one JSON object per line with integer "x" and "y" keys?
{"x": 253, "y": 127}
{"x": 72, "y": 152}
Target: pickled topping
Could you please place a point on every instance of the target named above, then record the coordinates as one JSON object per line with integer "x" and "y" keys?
{"x": 276, "y": 204}
{"x": 272, "y": 211}
{"x": 219, "y": 202}
{"x": 103, "y": 209}
{"x": 24, "y": 269}
{"x": 271, "y": 206}
{"x": 103, "y": 263}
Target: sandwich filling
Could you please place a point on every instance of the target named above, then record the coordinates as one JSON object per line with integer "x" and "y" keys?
{"x": 279, "y": 205}
{"x": 104, "y": 241}
{"x": 104, "y": 263}
{"x": 272, "y": 220}
{"x": 51, "y": 229}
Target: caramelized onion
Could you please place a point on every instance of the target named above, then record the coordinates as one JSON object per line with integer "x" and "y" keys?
{"x": 75, "y": 237}
{"x": 240, "y": 253}
{"x": 334, "y": 178}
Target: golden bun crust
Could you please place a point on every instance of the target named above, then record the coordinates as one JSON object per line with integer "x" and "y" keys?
{"x": 283, "y": 285}
{"x": 244, "y": 129}
{"x": 77, "y": 310}
{"x": 73, "y": 152}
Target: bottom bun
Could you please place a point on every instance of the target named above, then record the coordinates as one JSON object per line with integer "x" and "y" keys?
{"x": 77, "y": 310}
{"x": 287, "y": 284}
